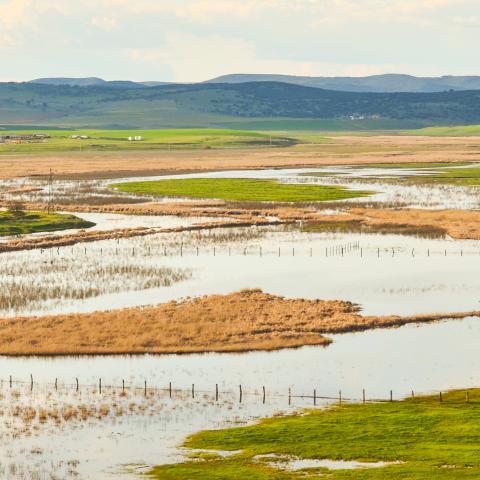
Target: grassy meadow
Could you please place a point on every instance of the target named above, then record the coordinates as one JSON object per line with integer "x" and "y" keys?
{"x": 450, "y": 131}
{"x": 239, "y": 190}
{"x": 34, "y": 222}
{"x": 423, "y": 439}
{"x": 117, "y": 140}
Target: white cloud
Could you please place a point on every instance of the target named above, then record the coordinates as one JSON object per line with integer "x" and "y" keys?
{"x": 105, "y": 22}
{"x": 13, "y": 13}
{"x": 195, "y": 58}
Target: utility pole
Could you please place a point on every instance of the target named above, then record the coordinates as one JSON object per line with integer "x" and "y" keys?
{"x": 50, "y": 192}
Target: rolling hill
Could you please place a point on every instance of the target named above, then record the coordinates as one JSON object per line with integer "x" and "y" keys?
{"x": 243, "y": 105}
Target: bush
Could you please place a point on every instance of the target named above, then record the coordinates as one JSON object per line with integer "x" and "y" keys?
{"x": 16, "y": 208}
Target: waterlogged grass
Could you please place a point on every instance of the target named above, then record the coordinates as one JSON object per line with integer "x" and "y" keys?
{"x": 117, "y": 140}
{"x": 34, "y": 222}
{"x": 427, "y": 438}
{"x": 240, "y": 190}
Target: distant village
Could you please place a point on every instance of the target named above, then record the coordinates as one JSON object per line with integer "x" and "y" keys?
{"x": 30, "y": 136}
{"x": 43, "y": 136}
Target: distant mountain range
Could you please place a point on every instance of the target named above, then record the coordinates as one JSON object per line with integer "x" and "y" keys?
{"x": 265, "y": 105}
{"x": 388, "y": 83}
{"x": 95, "y": 82}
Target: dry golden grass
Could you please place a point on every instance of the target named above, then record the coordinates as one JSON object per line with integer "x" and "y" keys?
{"x": 340, "y": 150}
{"x": 243, "y": 321}
{"x": 458, "y": 224}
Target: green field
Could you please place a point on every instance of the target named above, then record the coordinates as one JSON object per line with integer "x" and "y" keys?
{"x": 239, "y": 190}
{"x": 429, "y": 439}
{"x": 34, "y": 222}
{"x": 117, "y": 140}
{"x": 452, "y": 131}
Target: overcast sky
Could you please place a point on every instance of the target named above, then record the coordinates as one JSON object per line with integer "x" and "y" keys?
{"x": 192, "y": 40}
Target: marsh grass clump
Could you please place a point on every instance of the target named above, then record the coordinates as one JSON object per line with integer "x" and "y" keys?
{"x": 239, "y": 322}
{"x": 17, "y": 221}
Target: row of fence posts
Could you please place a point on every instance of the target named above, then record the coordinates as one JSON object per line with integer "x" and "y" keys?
{"x": 337, "y": 250}
{"x": 241, "y": 392}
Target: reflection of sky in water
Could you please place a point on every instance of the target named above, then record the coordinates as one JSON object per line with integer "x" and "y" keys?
{"x": 396, "y": 282}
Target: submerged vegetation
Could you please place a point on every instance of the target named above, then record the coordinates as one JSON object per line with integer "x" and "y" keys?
{"x": 20, "y": 222}
{"x": 240, "y": 190}
{"x": 28, "y": 286}
{"x": 420, "y": 438}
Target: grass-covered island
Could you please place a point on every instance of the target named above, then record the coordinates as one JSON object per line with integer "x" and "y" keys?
{"x": 240, "y": 189}
{"x": 418, "y": 439}
{"x": 22, "y": 222}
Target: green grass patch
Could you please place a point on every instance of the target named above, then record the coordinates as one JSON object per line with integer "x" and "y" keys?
{"x": 451, "y": 131}
{"x": 463, "y": 177}
{"x": 240, "y": 190}
{"x": 431, "y": 439}
{"x": 34, "y": 222}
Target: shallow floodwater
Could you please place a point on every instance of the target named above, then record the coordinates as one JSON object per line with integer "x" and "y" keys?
{"x": 401, "y": 360}
{"x": 384, "y": 274}
{"x": 354, "y": 177}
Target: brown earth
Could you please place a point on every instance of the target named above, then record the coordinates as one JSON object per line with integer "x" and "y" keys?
{"x": 339, "y": 150}
{"x": 242, "y": 321}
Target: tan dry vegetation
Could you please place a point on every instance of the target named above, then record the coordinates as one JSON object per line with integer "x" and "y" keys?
{"x": 458, "y": 224}
{"x": 339, "y": 150}
{"x": 243, "y": 321}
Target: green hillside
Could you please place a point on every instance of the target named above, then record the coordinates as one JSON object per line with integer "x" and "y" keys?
{"x": 253, "y": 105}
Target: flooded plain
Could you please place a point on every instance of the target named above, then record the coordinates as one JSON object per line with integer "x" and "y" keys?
{"x": 384, "y": 274}
{"x": 52, "y": 429}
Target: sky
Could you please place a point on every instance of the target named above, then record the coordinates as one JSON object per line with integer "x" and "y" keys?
{"x": 194, "y": 40}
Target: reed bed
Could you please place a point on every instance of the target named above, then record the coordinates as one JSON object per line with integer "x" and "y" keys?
{"x": 52, "y": 280}
{"x": 242, "y": 321}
